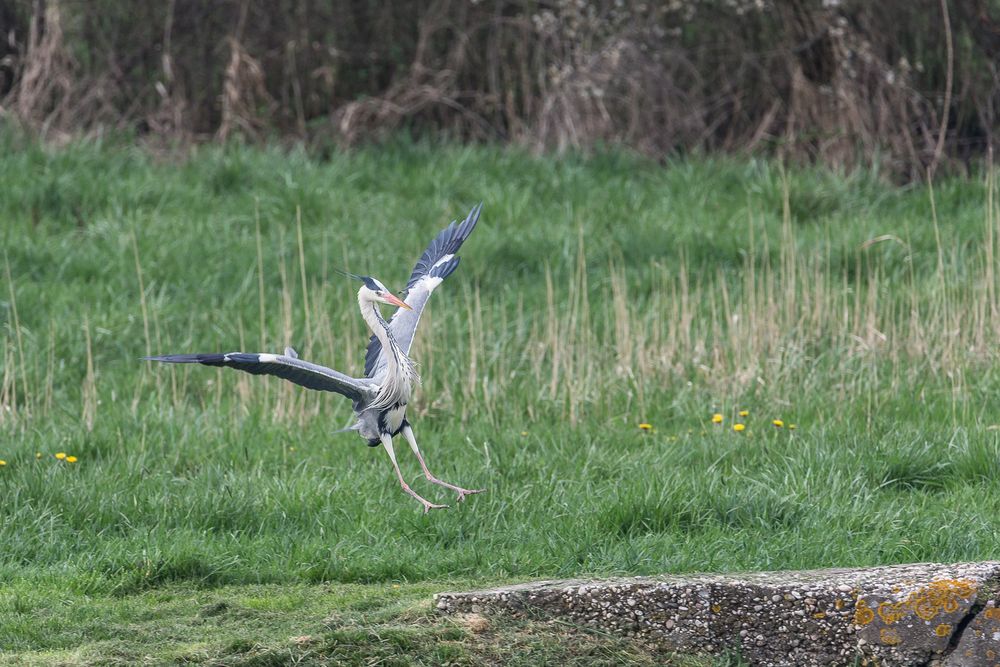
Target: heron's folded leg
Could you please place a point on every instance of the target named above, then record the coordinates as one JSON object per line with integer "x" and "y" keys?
{"x": 462, "y": 493}
{"x": 387, "y": 443}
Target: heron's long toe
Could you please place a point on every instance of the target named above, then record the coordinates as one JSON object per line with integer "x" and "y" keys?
{"x": 428, "y": 506}
{"x": 462, "y": 493}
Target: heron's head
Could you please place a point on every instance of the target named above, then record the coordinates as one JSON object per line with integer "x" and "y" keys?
{"x": 372, "y": 289}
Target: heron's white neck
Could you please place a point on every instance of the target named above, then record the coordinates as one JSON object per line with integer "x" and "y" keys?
{"x": 401, "y": 373}
{"x": 373, "y": 318}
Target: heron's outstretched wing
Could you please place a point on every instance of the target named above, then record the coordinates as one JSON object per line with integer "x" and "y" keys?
{"x": 287, "y": 366}
{"x": 436, "y": 264}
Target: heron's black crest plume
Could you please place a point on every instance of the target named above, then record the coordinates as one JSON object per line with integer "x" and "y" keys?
{"x": 369, "y": 282}
{"x": 348, "y": 274}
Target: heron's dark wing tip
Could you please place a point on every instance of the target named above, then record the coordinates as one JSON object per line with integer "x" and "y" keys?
{"x": 208, "y": 359}
{"x": 161, "y": 357}
{"x": 173, "y": 358}
{"x": 464, "y": 229}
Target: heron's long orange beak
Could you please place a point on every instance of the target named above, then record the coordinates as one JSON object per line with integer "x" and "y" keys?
{"x": 396, "y": 301}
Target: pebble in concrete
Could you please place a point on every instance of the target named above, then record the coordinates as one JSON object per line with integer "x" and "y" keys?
{"x": 912, "y": 615}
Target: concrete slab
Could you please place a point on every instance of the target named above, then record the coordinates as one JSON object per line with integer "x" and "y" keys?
{"x": 914, "y": 615}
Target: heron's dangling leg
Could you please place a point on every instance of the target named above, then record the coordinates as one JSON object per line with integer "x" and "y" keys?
{"x": 462, "y": 493}
{"x": 387, "y": 443}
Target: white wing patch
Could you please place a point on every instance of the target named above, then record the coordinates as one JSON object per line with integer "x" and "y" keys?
{"x": 267, "y": 358}
{"x": 444, "y": 258}
{"x": 430, "y": 282}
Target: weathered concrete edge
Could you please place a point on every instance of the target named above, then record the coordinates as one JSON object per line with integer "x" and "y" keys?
{"x": 914, "y": 614}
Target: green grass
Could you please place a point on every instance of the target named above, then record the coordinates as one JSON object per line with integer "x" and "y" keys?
{"x": 596, "y": 294}
{"x": 264, "y": 625}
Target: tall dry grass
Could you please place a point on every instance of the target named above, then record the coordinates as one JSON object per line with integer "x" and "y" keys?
{"x": 790, "y": 320}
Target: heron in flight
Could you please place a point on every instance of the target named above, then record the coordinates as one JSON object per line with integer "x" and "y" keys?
{"x": 381, "y": 396}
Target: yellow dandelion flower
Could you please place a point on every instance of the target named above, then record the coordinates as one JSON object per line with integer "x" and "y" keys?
{"x": 38, "y": 455}
{"x": 524, "y": 434}
{"x": 716, "y": 418}
{"x": 71, "y": 459}
{"x": 61, "y": 455}
{"x": 791, "y": 427}
{"x": 744, "y": 413}
{"x": 2, "y": 463}
{"x": 739, "y": 427}
{"x": 778, "y": 423}
{"x": 646, "y": 427}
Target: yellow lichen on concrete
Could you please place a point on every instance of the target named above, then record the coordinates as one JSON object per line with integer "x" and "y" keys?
{"x": 943, "y": 595}
{"x": 863, "y": 614}
{"x": 889, "y": 636}
{"x": 890, "y": 612}
{"x": 993, "y": 613}
{"x": 943, "y": 630}
{"x": 926, "y": 602}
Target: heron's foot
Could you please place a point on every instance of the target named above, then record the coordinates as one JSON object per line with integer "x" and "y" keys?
{"x": 428, "y": 506}
{"x": 462, "y": 493}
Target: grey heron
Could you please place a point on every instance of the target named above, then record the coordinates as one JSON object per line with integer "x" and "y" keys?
{"x": 381, "y": 396}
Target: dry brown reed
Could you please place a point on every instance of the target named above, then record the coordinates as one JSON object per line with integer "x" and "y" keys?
{"x": 836, "y": 82}
{"x": 89, "y": 390}
{"x": 46, "y": 82}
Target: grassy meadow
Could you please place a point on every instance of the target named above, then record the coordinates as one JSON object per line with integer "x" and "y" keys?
{"x": 597, "y": 294}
